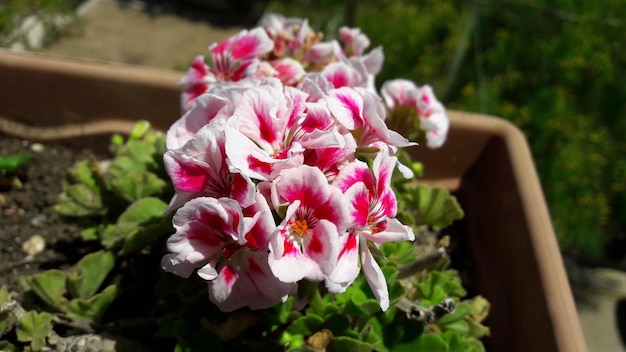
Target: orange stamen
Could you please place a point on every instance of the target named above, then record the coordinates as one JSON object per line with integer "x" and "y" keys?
{"x": 300, "y": 228}
{"x": 229, "y": 250}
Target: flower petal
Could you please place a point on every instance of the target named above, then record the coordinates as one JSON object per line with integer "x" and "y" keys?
{"x": 374, "y": 276}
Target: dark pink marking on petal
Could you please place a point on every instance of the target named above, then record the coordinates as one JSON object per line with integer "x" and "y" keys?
{"x": 189, "y": 177}
{"x": 254, "y": 267}
{"x": 389, "y": 204}
{"x": 246, "y": 47}
{"x": 289, "y": 248}
{"x": 316, "y": 245}
{"x": 195, "y": 91}
{"x": 228, "y": 275}
{"x": 199, "y": 67}
{"x": 361, "y": 204}
{"x": 338, "y": 79}
{"x": 240, "y": 72}
{"x": 258, "y": 165}
{"x": 350, "y": 245}
{"x": 354, "y": 107}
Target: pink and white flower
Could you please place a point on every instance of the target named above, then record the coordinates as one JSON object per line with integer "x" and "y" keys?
{"x": 229, "y": 250}
{"x": 372, "y": 208}
{"x": 432, "y": 115}
{"x": 306, "y": 242}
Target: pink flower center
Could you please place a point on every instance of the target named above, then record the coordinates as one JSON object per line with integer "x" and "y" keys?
{"x": 229, "y": 250}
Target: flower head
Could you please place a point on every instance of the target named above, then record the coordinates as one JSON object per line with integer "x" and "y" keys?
{"x": 268, "y": 163}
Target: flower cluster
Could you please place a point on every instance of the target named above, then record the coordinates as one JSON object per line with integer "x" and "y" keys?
{"x": 267, "y": 164}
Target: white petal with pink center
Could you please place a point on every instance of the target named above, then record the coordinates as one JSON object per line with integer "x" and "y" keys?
{"x": 306, "y": 243}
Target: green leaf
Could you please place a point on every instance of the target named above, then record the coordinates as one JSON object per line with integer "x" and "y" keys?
{"x": 461, "y": 310}
{"x": 50, "y": 286}
{"x": 79, "y": 200}
{"x": 362, "y": 309}
{"x": 89, "y": 273}
{"x": 426, "y": 343}
{"x": 123, "y": 165}
{"x": 144, "y": 236}
{"x": 90, "y": 234}
{"x": 436, "y": 207}
{"x": 372, "y": 332}
{"x": 4, "y": 295}
{"x": 437, "y": 286}
{"x": 111, "y": 237}
{"x": 94, "y": 307}
{"x": 140, "y": 128}
{"x": 347, "y": 344}
{"x": 12, "y": 163}
{"x": 455, "y": 342}
{"x": 142, "y": 223}
{"x": 33, "y": 328}
{"x": 6, "y": 346}
{"x": 4, "y": 317}
{"x": 461, "y": 327}
{"x": 476, "y": 329}
{"x": 140, "y": 212}
{"x": 138, "y": 184}
{"x": 306, "y": 325}
{"x": 338, "y": 324}
{"x": 84, "y": 172}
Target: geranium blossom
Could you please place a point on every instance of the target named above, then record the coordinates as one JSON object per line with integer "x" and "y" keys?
{"x": 372, "y": 208}
{"x": 432, "y": 115}
{"x": 228, "y": 249}
{"x": 268, "y": 164}
{"x": 306, "y": 243}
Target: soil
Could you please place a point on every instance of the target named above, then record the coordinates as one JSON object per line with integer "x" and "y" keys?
{"x": 27, "y": 198}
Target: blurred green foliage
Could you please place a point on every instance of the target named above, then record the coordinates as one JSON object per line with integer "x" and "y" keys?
{"x": 13, "y": 12}
{"x": 554, "y": 68}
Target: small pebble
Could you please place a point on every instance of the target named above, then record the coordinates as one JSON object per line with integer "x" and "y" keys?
{"x": 39, "y": 220}
{"x": 37, "y": 147}
{"x": 16, "y": 183}
{"x": 34, "y": 245}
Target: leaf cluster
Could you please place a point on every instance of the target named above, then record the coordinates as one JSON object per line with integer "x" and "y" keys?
{"x": 119, "y": 201}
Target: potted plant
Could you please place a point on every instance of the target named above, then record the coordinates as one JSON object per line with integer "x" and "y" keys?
{"x": 485, "y": 163}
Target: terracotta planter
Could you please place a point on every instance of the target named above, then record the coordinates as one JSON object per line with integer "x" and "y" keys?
{"x": 486, "y": 162}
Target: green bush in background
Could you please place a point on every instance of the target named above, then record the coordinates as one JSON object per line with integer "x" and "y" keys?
{"x": 554, "y": 68}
